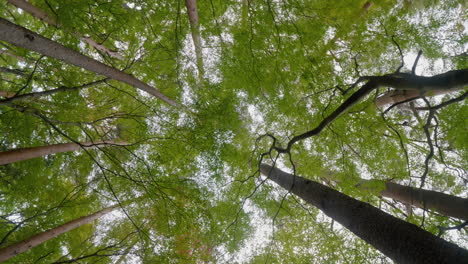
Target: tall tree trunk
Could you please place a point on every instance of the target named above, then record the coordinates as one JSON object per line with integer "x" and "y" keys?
{"x": 399, "y": 240}
{"x": 40, "y": 14}
{"x": 35, "y": 240}
{"x": 195, "y": 29}
{"x": 21, "y": 154}
{"x": 27, "y": 39}
{"x": 442, "y": 203}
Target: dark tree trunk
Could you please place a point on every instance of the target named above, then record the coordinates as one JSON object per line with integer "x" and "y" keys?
{"x": 399, "y": 240}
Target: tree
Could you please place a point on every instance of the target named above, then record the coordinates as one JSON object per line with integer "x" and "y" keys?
{"x": 22, "y": 246}
{"x": 20, "y": 154}
{"x": 401, "y": 241}
{"x": 272, "y": 71}
{"x": 195, "y": 28}
{"x": 29, "y": 40}
{"x": 38, "y": 13}
{"x": 426, "y": 199}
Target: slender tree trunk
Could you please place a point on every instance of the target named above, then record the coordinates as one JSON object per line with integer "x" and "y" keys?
{"x": 195, "y": 29}
{"x": 40, "y": 14}
{"x": 399, "y": 240}
{"x": 21, "y": 154}
{"x": 442, "y": 203}
{"x": 35, "y": 240}
{"x": 27, "y": 39}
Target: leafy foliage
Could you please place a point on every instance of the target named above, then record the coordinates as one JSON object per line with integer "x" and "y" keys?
{"x": 187, "y": 181}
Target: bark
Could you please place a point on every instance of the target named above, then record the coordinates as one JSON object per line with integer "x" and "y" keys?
{"x": 401, "y": 241}
{"x": 35, "y": 240}
{"x": 7, "y": 94}
{"x": 27, "y": 39}
{"x": 21, "y": 154}
{"x": 408, "y": 86}
{"x": 442, "y": 203}
{"x": 40, "y": 14}
{"x": 195, "y": 30}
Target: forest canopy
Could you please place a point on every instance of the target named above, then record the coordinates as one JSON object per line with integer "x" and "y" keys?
{"x": 155, "y": 127}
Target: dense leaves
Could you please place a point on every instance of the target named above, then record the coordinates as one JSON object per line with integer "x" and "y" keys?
{"x": 187, "y": 182}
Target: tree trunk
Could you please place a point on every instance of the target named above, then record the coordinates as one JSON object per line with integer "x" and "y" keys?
{"x": 7, "y": 94}
{"x": 35, "y": 240}
{"x": 12, "y": 98}
{"x": 442, "y": 203}
{"x": 21, "y": 154}
{"x": 397, "y": 96}
{"x": 40, "y": 14}
{"x": 399, "y": 240}
{"x": 408, "y": 86}
{"x": 195, "y": 29}
{"x": 27, "y": 39}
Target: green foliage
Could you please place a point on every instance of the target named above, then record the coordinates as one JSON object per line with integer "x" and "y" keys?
{"x": 187, "y": 179}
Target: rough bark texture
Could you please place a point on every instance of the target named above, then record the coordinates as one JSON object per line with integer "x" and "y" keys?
{"x": 16, "y": 155}
{"x": 399, "y": 240}
{"x": 442, "y": 203}
{"x": 40, "y": 14}
{"x": 27, "y": 39}
{"x": 22, "y": 246}
{"x": 195, "y": 29}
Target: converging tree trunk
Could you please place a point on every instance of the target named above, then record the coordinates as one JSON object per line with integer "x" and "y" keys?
{"x": 27, "y": 39}
{"x": 40, "y": 14}
{"x": 21, "y": 154}
{"x": 442, "y": 203}
{"x": 35, "y": 240}
{"x": 195, "y": 29}
{"x": 399, "y": 240}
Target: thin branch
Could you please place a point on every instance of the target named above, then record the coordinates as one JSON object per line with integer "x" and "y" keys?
{"x": 429, "y": 142}
{"x": 413, "y": 70}
{"x": 401, "y": 55}
{"x": 444, "y": 104}
{"x": 457, "y": 227}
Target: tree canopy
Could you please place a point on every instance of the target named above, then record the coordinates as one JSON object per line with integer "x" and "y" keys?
{"x": 292, "y": 83}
